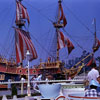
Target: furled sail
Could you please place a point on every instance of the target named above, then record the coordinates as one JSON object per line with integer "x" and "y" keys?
{"x": 21, "y": 12}
{"x": 96, "y": 41}
{"x": 63, "y": 41}
{"x": 23, "y": 43}
{"x": 92, "y": 60}
{"x": 96, "y": 45}
{"x": 62, "y": 16}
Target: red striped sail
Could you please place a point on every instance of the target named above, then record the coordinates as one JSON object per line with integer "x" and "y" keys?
{"x": 63, "y": 41}
{"x": 62, "y": 16}
{"x": 23, "y": 43}
{"x": 21, "y": 12}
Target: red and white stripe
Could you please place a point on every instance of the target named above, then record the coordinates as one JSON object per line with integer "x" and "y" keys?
{"x": 62, "y": 17}
{"x": 21, "y": 12}
{"x": 24, "y": 43}
{"x": 63, "y": 41}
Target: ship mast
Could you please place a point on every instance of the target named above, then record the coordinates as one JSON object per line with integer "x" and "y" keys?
{"x": 95, "y": 40}
{"x": 58, "y": 25}
{"x": 20, "y": 23}
{"x": 23, "y": 40}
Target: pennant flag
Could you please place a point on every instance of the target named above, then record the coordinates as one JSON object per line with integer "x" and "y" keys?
{"x": 96, "y": 45}
{"x": 64, "y": 41}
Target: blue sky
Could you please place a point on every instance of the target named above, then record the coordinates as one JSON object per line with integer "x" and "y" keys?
{"x": 79, "y": 14}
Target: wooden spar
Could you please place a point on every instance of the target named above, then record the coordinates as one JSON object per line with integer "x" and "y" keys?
{"x": 95, "y": 30}
{"x": 77, "y": 69}
{"x": 57, "y": 28}
{"x": 58, "y": 25}
{"x": 95, "y": 40}
{"x": 57, "y": 45}
{"x": 83, "y": 59}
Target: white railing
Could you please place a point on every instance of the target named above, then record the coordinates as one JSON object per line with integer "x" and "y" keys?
{"x": 44, "y": 81}
{"x": 22, "y": 91}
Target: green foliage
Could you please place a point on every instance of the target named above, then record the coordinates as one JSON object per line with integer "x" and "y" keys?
{"x": 14, "y": 90}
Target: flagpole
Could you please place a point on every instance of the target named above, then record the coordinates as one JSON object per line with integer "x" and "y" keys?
{"x": 28, "y": 84}
{"x": 94, "y": 46}
{"x": 95, "y": 29}
{"x": 57, "y": 29}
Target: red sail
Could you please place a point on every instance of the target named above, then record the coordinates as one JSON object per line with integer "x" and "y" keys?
{"x": 70, "y": 46}
{"x": 23, "y": 43}
{"x": 96, "y": 46}
{"x": 21, "y": 12}
{"x": 92, "y": 60}
{"x": 64, "y": 41}
{"x": 62, "y": 16}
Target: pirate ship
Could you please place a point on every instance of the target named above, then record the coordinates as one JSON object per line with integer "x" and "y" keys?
{"x": 13, "y": 68}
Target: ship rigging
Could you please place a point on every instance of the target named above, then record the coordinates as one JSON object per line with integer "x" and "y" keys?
{"x": 24, "y": 43}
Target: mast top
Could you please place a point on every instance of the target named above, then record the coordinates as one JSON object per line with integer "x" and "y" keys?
{"x": 59, "y": 1}
{"x": 61, "y": 17}
{"x": 20, "y": 0}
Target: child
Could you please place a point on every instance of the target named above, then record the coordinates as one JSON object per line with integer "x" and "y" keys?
{"x": 92, "y": 92}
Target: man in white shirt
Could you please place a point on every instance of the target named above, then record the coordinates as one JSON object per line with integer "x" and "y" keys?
{"x": 93, "y": 73}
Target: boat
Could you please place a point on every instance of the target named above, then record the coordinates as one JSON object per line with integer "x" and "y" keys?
{"x": 53, "y": 64}
{"x": 13, "y": 67}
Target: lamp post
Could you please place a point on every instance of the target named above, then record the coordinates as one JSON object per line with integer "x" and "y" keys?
{"x": 28, "y": 84}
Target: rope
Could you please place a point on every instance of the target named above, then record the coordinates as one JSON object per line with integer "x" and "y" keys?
{"x": 43, "y": 47}
{"x": 9, "y": 36}
{"x": 73, "y": 39}
{"x": 40, "y": 12}
{"x": 78, "y": 19}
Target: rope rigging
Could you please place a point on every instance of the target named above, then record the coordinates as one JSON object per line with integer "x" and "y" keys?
{"x": 73, "y": 39}
{"x": 6, "y": 49}
{"x": 50, "y": 20}
{"x": 78, "y": 19}
{"x": 43, "y": 47}
{"x": 39, "y": 12}
{"x": 9, "y": 37}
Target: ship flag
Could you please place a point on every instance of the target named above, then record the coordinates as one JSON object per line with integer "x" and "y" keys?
{"x": 23, "y": 43}
{"x": 92, "y": 60}
{"x": 97, "y": 45}
{"x": 62, "y": 16}
{"x": 21, "y": 12}
{"x": 63, "y": 41}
